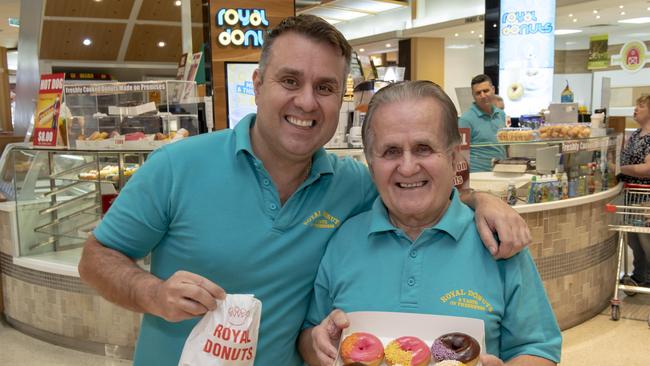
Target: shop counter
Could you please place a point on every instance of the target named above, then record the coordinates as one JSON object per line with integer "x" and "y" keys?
{"x": 41, "y": 290}
{"x": 575, "y": 253}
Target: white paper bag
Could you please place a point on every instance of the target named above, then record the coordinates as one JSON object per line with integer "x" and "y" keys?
{"x": 226, "y": 336}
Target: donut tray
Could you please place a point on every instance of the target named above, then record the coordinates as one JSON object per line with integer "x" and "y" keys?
{"x": 388, "y": 326}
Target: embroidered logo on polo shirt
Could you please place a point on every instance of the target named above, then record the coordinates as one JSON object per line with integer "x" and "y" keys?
{"x": 322, "y": 220}
{"x": 467, "y": 299}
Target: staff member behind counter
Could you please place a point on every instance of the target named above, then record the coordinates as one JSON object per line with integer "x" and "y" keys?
{"x": 484, "y": 120}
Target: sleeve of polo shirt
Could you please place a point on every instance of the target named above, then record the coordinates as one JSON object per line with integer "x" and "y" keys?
{"x": 321, "y": 302}
{"x": 529, "y": 326}
{"x": 139, "y": 217}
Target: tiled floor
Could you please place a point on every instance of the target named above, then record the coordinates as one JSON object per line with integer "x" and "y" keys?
{"x": 598, "y": 341}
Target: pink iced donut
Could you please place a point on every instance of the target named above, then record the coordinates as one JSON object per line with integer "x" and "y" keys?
{"x": 407, "y": 351}
{"x": 362, "y": 348}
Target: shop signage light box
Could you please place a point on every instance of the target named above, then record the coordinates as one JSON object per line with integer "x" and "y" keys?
{"x": 240, "y": 95}
{"x": 527, "y": 43}
{"x": 251, "y": 22}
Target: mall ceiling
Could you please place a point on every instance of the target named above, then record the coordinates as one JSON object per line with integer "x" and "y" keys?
{"x": 131, "y": 31}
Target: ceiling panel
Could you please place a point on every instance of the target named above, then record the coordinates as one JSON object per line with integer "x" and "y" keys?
{"x": 145, "y": 38}
{"x": 63, "y": 40}
{"x": 165, "y": 10}
{"x": 112, "y": 9}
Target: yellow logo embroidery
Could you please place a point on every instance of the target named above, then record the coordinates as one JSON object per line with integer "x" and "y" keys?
{"x": 322, "y": 220}
{"x": 466, "y": 299}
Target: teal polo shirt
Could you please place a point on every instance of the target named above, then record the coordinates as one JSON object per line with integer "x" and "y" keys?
{"x": 483, "y": 129}
{"x": 370, "y": 265}
{"x": 207, "y": 205}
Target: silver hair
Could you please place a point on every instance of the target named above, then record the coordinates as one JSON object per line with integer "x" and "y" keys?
{"x": 410, "y": 90}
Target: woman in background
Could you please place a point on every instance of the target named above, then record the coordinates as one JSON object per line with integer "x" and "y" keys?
{"x": 635, "y": 168}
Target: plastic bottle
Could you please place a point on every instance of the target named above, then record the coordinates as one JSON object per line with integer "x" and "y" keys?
{"x": 567, "y": 94}
{"x": 573, "y": 187}
{"x": 511, "y": 196}
{"x": 532, "y": 191}
{"x": 564, "y": 183}
{"x": 582, "y": 186}
{"x": 591, "y": 179}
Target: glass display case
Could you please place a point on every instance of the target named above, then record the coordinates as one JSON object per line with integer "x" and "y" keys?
{"x": 61, "y": 195}
{"x": 544, "y": 170}
{"x": 129, "y": 115}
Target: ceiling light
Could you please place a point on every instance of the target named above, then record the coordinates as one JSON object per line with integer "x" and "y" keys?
{"x": 362, "y": 50}
{"x": 459, "y": 46}
{"x": 595, "y": 11}
{"x": 597, "y": 16}
{"x": 560, "y": 32}
{"x": 575, "y": 20}
{"x": 472, "y": 32}
{"x": 622, "y": 13}
{"x": 98, "y": 1}
{"x": 637, "y": 35}
{"x": 388, "y": 45}
{"x": 87, "y": 42}
{"x": 177, "y": 2}
{"x": 335, "y": 14}
{"x": 332, "y": 21}
{"x": 162, "y": 44}
{"x": 620, "y": 6}
{"x": 455, "y": 34}
{"x": 494, "y": 25}
{"x": 642, "y": 20}
{"x": 648, "y": 8}
{"x": 480, "y": 36}
{"x": 570, "y": 15}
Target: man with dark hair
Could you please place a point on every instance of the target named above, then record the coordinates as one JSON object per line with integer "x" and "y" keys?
{"x": 248, "y": 210}
{"x": 483, "y": 120}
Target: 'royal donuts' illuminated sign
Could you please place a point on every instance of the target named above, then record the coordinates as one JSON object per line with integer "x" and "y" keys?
{"x": 233, "y": 24}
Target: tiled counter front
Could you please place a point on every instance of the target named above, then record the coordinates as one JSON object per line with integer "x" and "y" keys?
{"x": 576, "y": 255}
{"x": 61, "y": 309}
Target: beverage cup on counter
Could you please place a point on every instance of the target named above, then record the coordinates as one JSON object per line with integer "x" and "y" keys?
{"x": 597, "y": 120}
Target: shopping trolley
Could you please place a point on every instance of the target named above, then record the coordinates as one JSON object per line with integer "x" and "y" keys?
{"x": 631, "y": 214}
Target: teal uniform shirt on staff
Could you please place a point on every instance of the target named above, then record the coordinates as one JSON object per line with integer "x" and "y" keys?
{"x": 483, "y": 129}
{"x": 207, "y": 205}
{"x": 370, "y": 265}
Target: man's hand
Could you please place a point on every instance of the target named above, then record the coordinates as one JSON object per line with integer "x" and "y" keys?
{"x": 493, "y": 216}
{"x": 185, "y": 295}
{"x": 119, "y": 280}
{"x": 326, "y": 336}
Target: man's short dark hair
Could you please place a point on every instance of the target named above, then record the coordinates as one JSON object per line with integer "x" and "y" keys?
{"x": 312, "y": 27}
{"x": 481, "y": 79}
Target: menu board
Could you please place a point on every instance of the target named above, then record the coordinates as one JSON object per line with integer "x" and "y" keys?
{"x": 48, "y": 109}
{"x": 461, "y": 179}
{"x": 240, "y": 94}
{"x": 527, "y": 46}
